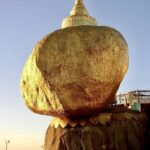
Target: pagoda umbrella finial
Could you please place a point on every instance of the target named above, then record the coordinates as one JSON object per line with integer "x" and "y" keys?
{"x": 79, "y": 1}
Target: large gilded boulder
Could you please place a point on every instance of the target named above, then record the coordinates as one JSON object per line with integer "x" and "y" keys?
{"x": 75, "y": 72}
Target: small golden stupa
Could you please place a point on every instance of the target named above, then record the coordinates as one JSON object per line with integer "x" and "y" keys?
{"x": 79, "y": 16}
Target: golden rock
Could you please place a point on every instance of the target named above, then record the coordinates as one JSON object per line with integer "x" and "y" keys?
{"x": 75, "y": 71}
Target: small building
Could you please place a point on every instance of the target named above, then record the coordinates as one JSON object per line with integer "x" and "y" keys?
{"x": 136, "y": 100}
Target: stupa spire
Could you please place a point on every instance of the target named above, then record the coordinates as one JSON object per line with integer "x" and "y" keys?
{"x": 79, "y": 8}
{"x": 78, "y": 16}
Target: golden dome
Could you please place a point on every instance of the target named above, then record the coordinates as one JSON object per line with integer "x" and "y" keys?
{"x": 78, "y": 16}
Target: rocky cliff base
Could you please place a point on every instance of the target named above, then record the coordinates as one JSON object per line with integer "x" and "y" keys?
{"x": 126, "y": 130}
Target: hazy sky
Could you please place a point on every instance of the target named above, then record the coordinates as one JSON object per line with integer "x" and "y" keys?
{"x": 24, "y": 22}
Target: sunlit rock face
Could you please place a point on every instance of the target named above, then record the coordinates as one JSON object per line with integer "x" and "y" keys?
{"x": 75, "y": 71}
